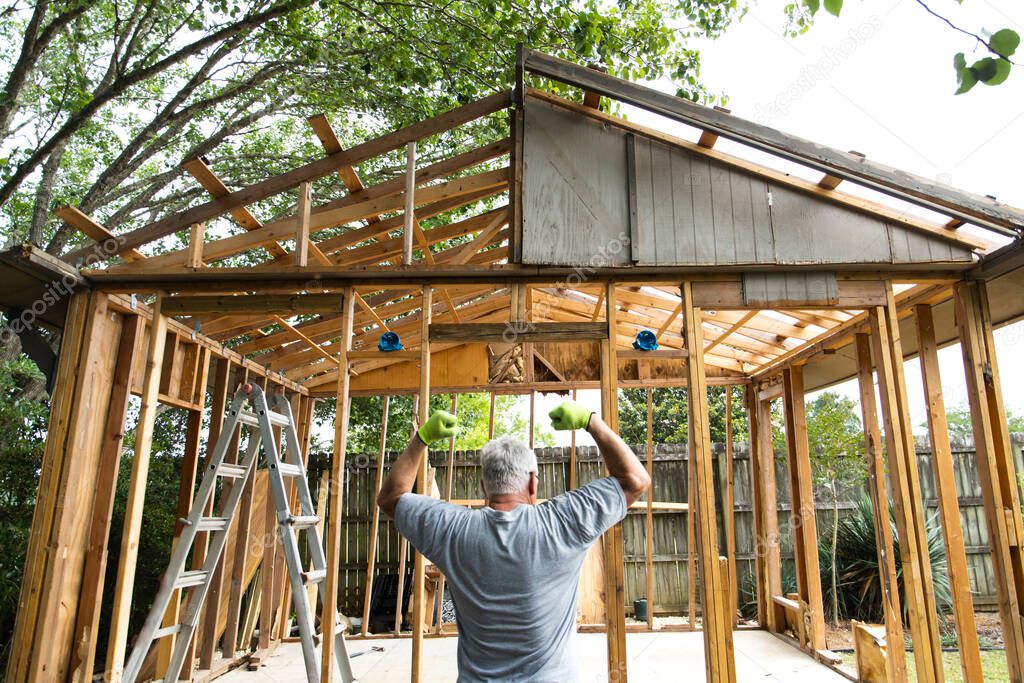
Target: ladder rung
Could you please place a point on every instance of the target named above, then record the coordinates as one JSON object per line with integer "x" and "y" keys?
{"x": 288, "y": 470}
{"x": 194, "y": 577}
{"x": 166, "y": 631}
{"x": 315, "y": 576}
{"x": 213, "y": 524}
{"x": 303, "y": 521}
{"x": 249, "y": 418}
{"x": 231, "y": 470}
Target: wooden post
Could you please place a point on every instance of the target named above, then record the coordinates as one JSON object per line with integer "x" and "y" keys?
{"x": 896, "y": 659}
{"x": 83, "y": 656}
{"x": 186, "y": 489}
{"x": 194, "y": 255}
{"x": 302, "y": 224}
{"x": 533, "y": 416}
{"x": 804, "y": 524}
{"x": 490, "y": 419}
{"x": 371, "y": 553}
{"x": 122, "y": 598}
{"x": 949, "y": 508}
{"x": 649, "y": 521}
{"x": 240, "y": 545}
{"x": 438, "y": 622}
{"x": 995, "y": 465}
{"x": 718, "y": 644}
{"x": 614, "y": 596}
{"x": 759, "y": 508}
{"x": 410, "y": 203}
{"x": 329, "y": 615}
{"x": 906, "y": 492}
{"x": 730, "y": 511}
{"x": 691, "y": 536}
{"x": 419, "y": 562}
{"x": 572, "y": 452}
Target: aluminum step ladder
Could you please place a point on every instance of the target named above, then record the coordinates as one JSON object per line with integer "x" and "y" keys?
{"x": 261, "y": 421}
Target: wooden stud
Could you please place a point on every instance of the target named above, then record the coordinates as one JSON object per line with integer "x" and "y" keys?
{"x": 718, "y": 644}
{"x": 419, "y": 611}
{"x": 194, "y": 255}
{"x": 730, "y": 512}
{"x": 239, "y": 542}
{"x": 995, "y": 465}
{"x": 945, "y": 485}
{"x": 490, "y": 418}
{"x": 450, "y": 479}
{"x": 892, "y": 609}
{"x": 329, "y": 615}
{"x": 906, "y": 493}
{"x": 86, "y": 631}
{"x": 121, "y": 604}
{"x": 803, "y": 522}
{"x": 410, "y": 202}
{"x": 302, "y": 224}
{"x": 572, "y": 446}
{"x": 691, "y": 535}
{"x": 649, "y": 521}
{"x": 614, "y": 596}
{"x": 186, "y": 489}
{"x": 371, "y": 553}
{"x": 759, "y": 507}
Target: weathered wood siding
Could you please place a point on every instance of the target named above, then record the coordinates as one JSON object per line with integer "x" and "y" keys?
{"x": 590, "y": 189}
{"x": 575, "y": 204}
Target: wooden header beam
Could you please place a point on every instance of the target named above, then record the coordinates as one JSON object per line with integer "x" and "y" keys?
{"x": 924, "y": 192}
{"x": 518, "y": 332}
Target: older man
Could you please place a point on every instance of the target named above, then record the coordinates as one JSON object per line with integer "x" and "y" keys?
{"x": 514, "y": 566}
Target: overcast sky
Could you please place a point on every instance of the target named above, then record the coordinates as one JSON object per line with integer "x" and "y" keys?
{"x": 880, "y": 80}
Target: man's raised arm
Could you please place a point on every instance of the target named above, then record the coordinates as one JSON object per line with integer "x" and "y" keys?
{"x": 402, "y": 476}
{"x": 622, "y": 463}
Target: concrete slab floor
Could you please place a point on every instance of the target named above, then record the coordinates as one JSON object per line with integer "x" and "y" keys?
{"x": 670, "y": 656}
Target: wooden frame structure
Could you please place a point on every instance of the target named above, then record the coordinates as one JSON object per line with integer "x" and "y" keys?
{"x": 445, "y": 255}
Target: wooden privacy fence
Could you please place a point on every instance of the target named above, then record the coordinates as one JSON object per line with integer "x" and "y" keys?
{"x": 670, "y": 542}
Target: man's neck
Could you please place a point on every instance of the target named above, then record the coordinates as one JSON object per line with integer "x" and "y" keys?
{"x": 508, "y": 501}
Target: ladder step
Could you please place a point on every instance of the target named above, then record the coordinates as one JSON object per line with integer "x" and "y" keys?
{"x": 166, "y": 631}
{"x": 304, "y": 521}
{"x": 289, "y": 470}
{"x": 315, "y": 576}
{"x": 231, "y": 470}
{"x": 213, "y": 524}
{"x": 194, "y": 577}
{"x": 251, "y": 419}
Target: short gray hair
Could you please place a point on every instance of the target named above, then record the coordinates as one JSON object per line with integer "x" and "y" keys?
{"x": 505, "y": 465}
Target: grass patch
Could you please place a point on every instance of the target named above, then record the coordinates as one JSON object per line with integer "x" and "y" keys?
{"x": 993, "y": 664}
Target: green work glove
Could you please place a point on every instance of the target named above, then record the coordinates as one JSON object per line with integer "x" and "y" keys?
{"x": 570, "y": 415}
{"x": 440, "y": 425}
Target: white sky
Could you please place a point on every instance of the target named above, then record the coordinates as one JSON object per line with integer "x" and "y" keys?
{"x": 879, "y": 80}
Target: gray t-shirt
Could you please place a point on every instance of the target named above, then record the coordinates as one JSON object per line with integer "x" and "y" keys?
{"x": 514, "y": 576}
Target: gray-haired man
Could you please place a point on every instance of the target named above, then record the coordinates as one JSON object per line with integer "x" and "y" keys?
{"x": 514, "y": 566}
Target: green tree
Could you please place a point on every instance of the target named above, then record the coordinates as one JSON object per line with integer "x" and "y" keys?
{"x": 101, "y": 101}
{"x": 835, "y": 438}
{"x": 22, "y": 431}
{"x": 958, "y": 419}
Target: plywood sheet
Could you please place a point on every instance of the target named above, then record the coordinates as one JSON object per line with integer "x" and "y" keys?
{"x": 575, "y": 203}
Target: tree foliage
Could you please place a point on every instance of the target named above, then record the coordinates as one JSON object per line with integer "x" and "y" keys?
{"x": 103, "y": 100}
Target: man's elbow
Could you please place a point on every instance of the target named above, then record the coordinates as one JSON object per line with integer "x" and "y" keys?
{"x": 635, "y": 484}
{"x": 387, "y": 501}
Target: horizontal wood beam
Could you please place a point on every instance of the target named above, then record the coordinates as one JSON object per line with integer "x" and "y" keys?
{"x": 517, "y": 332}
{"x": 85, "y": 224}
{"x": 270, "y": 304}
{"x": 918, "y": 190}
{"x": 712, "y": 294}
